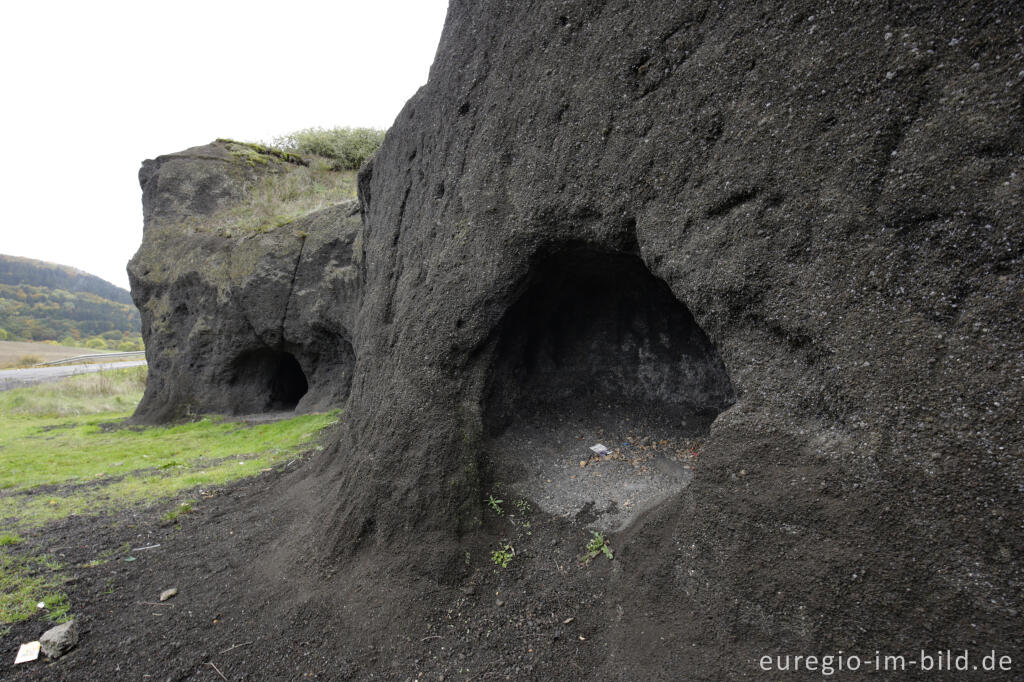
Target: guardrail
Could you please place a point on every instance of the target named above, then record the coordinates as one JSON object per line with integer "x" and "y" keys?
{"x": 95, "y": 356}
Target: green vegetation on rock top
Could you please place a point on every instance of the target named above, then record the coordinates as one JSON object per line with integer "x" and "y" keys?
{"x": 255, "y": 153}
{"x": 347, "y": 148}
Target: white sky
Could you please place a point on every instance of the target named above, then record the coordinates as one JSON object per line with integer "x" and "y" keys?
{"x": 90, "y": 89}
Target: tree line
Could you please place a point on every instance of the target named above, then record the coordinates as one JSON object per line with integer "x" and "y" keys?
{"x": 45, "y": 302}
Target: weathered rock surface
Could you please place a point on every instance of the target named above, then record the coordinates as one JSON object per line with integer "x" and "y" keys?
{"x": 821, "y": 207}
{"x": 240, "y": 321}
{"x": 833, "y": 192}
{"x": 59, "y": 640}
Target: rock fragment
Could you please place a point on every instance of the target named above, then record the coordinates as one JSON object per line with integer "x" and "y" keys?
{"x": 59, "y": 640}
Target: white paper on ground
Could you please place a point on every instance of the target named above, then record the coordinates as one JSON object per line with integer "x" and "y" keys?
{"x": 600, "y": 449}
{"x": 27, "y": 652}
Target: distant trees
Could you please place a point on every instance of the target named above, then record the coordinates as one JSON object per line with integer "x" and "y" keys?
{"x": 33, "y": 309}
{"x": 15, "y": 270}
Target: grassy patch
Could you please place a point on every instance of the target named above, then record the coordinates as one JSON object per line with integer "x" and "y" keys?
{"x": 27, "y": 580}
{"x": 63, "y": 452}
{"x": 101, "y": 468}
{"x": 116, "y": 391}
{"x": 301, "y": 173}
{"x": 9, "y": 539}
{"x": 276, "y": 199}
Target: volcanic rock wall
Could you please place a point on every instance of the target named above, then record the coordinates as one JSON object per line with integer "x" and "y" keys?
{"x": 243, "y": 322}
{"x": 821, "y": 203}
{"x": 833, "y": 191}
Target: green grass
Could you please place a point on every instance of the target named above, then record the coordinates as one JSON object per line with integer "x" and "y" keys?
{"x": 9, "y": 539}
{"x": 117, "y": 392}
{"x": 68, "y": 437}
{"x": 27, "y": 580}
{"x": 104, "y": 469}
{"x": 276, "y": 199}
{"x": 302, "y": 173}
{"x": 186, "y": 507}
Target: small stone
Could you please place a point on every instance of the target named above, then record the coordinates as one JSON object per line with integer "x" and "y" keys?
{"x": 57, "y": 641}
{"x": 499, "y": 603}
{"x": 167, "y": 594}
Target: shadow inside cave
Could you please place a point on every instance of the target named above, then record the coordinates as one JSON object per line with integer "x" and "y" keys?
{"x": 267, "y": 380}
{"x": 598, "y": 350}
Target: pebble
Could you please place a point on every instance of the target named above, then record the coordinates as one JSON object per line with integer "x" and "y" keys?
{"x": 167, "y": 594}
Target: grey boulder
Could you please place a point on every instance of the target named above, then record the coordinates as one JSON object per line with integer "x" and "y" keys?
{"x": 59, "y": 640}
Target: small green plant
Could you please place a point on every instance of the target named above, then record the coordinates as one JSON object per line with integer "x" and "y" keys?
{"x": 495, "y": 504}
{"x": 597, "y": 545}
{"x": 523, "y": 507}
{"x": 9, "y": 539}
{"x": 183, "y": 508}
{"x": 503, "y": 555}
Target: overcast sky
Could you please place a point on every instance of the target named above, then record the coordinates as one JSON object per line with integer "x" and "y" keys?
{"x": 91, "y": 89}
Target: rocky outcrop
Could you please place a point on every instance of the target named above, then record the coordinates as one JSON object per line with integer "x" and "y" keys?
{"x": 240, "y": 320}
{"x": 833, "y": 194}
{"x": 797, "y": 224}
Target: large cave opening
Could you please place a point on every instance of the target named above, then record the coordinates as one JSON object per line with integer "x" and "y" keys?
{"x": 268, "y": 380}
{"x": 598, "y": 351}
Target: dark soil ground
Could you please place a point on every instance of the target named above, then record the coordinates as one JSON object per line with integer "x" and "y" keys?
{"x": 261, "y": 597}
{"x": 239, "y": 617}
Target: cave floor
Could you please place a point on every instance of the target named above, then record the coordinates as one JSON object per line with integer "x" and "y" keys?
{"x": 547, "y": 459}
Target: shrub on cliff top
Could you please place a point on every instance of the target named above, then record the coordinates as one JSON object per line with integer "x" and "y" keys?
{"x": 347, "y": 147}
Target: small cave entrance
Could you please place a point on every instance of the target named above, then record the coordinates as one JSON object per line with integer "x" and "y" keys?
{"x": 268, "y": 380}
{"x": 597, "y": 350}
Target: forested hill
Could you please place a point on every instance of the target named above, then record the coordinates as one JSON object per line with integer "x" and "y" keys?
{"x": 37, "y": 273}
{"x": 42, "y": 301}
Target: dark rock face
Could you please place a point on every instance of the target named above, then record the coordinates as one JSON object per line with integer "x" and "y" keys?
{"x": 809, "y": 210}
{"x": 241, "y": 323}
{"x": 799, "y": 220}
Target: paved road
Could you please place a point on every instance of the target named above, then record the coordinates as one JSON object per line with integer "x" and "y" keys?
{"x": 17, "y": 378}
